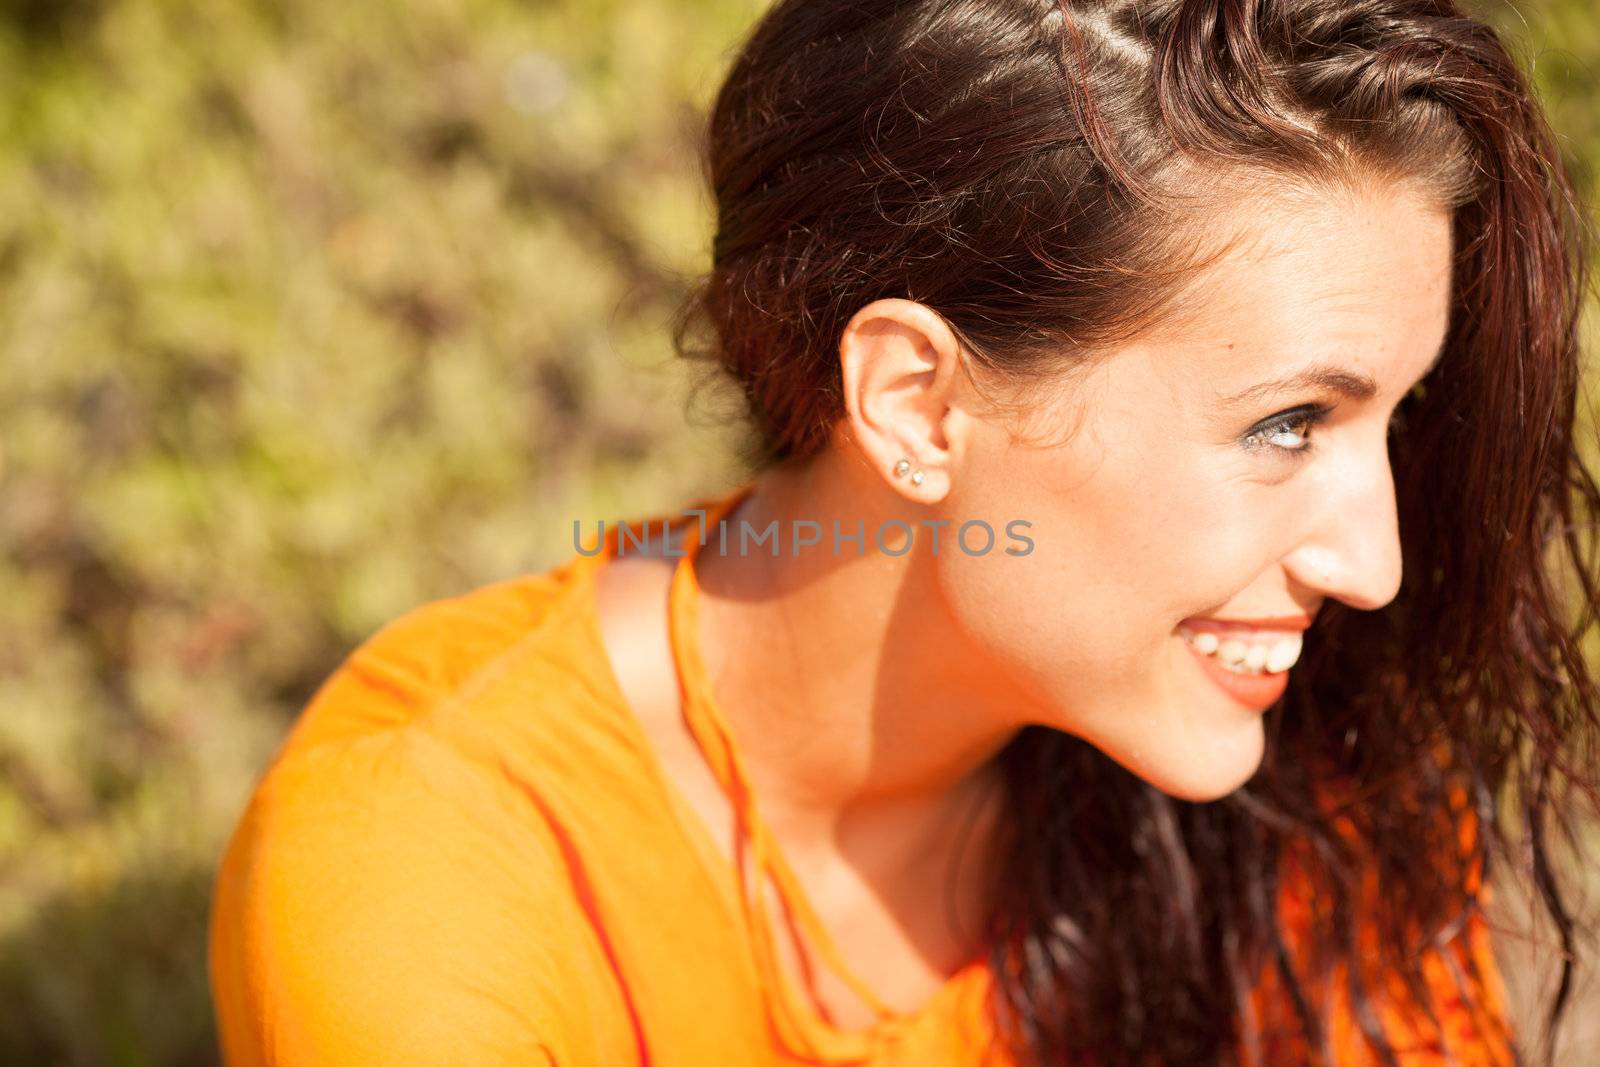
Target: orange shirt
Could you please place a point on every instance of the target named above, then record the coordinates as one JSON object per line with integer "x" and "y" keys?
{"x": 466, "y": 852}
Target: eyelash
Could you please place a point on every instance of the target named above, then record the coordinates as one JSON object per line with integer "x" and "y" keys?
{"x": 1309, "y": 416}
{"x": 1287, "y": 421}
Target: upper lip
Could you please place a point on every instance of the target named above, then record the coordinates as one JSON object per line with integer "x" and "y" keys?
{"x": 1277, "y": 622}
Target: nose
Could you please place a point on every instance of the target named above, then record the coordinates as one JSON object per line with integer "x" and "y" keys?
{"x": 1352, "y": 550}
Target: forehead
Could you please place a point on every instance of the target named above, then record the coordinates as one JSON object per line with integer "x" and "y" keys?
{"x": 1356, "y": 280}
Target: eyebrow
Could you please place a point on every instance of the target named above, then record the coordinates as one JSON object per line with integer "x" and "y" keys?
{"x": 1327, "y": 377}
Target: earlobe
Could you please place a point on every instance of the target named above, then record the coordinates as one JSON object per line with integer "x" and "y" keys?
{"x": 898, "y": 360}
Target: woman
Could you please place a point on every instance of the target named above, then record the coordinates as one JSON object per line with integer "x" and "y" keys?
{"x": 1165, "y": 417}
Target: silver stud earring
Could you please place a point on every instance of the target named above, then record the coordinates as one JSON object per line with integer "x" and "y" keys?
{"x": 901, "y": 468}
{"x": 916, "y": 477}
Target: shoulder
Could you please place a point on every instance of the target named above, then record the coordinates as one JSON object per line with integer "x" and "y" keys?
{"x": 409, "y": 880}
{"x": 387, "y": 892}
{"x": 444, "y": 651}
{"x": 373, "y": 905}
{"x": 400, "y": 759}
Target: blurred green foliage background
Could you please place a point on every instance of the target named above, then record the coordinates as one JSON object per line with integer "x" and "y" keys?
{"x": 313, "y": 312}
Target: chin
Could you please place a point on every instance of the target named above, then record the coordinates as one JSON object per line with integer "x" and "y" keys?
{"x": 1202, "y": 791}
{"x": 1200, "y": 770}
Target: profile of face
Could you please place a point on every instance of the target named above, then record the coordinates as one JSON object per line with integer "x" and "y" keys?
{"x": 1186, "y": 485}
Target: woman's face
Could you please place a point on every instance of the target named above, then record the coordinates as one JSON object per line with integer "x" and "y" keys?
{"x": 1194, "y": 489}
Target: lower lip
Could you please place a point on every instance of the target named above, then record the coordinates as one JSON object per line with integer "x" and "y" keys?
{"x": 1255, "y": 691}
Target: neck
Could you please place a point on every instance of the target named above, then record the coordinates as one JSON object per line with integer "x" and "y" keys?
{"x": 860, "y": 711}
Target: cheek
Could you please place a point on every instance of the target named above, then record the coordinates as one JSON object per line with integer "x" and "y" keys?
{"x": 1208, "y": 543}
{"x": 1155, "y": 545}
{"x": 1124, "y": 548}
{"x": 1128, "y": 541}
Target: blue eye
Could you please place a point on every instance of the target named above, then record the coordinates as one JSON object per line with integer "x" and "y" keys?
{"x": 1296, "y": 423}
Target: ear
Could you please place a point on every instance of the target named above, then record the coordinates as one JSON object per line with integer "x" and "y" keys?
{"x": 902, "y": 370}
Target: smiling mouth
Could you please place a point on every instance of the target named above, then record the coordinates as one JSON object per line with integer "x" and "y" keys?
{"x": 1246, "y": 651}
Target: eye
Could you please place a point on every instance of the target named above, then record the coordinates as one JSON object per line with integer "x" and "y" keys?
{"x": 1279, "y": 431}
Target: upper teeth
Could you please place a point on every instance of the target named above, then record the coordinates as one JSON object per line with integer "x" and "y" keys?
{"x": 1252, "y": 652}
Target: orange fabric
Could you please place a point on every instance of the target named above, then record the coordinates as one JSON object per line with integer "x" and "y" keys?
{"x": 466, "y": 852}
